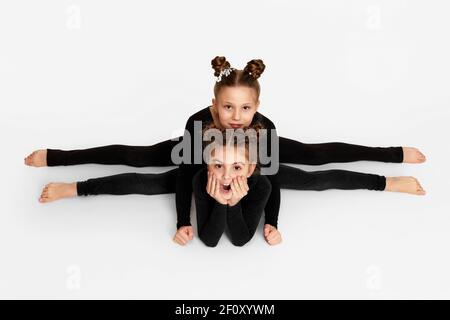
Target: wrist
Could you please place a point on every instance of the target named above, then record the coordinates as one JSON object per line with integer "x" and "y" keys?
{"x": 232, "y": 203}
{"x": 222, "y": 202}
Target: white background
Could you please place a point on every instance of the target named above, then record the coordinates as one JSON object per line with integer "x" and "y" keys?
{"x": 79, "y": 74}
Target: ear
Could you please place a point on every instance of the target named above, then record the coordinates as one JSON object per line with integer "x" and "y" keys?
{"x": 251, "y": 169}
{"x": 213, "y": 102}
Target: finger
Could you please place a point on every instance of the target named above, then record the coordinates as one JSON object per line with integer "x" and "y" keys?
{"x": 275, "y": 242}
{"x": 180, "y": 239}
{"x": 208, "y": 184}
{"x": 213, "y": 185}
{"x": 179, "y": 242}
{"x": 273, "y": 235}
{"x": 190, "y": 233}
{"x": 277, "y": 239}
{"x": 246, "y": 184}
{"x": 239, "y": 186}
{"x": 242, "y": 185}
{"x": 217, "y": 187}
{"x": 184, "y": 235}
{"x": 234, "y": 190}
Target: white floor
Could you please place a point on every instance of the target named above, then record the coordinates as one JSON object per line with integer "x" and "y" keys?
{"x": 379, "y": 76}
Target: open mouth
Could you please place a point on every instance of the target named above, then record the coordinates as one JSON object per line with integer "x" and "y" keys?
{"x": 225, "y": 187}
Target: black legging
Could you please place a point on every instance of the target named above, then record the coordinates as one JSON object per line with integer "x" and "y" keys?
{"x": 159, "y": 155}
{"x": 290, "y": 178}
{"x": 291, "y": 151}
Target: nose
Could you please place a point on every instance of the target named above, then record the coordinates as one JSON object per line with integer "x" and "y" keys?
{"x": 237, "y": 114}
{"x": 227, "y": 173}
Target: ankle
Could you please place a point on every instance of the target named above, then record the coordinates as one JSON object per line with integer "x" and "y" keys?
{"x": 389, "y": 183}
{"x": 73, "y": 189}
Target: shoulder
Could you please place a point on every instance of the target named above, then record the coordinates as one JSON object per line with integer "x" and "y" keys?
{"x": 200, "y": 179}
{"x": 203, "y": 114}
{"x": 266, "y": 122}
{"x": 262, "y": 184}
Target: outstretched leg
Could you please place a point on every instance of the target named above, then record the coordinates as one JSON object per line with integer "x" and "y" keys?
{"x": 297, "y": 179}
{"x": 292, "y": 151}
{"x": 136, "y": 156}
{"x": 119, "y": 184}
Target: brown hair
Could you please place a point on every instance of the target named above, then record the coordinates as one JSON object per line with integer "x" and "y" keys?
{"x": 247, "y": 77}
{"x": 240, "y": 137}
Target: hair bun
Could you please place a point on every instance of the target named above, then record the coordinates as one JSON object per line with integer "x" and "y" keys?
{"x": 255, "y": 68}
{"x": 219, "y": 63}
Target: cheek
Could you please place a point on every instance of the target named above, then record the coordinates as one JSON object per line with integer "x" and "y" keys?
{"x": 240, "y": 173}
{"x": 248, "y": 117}
{"x": 216, "y": 171}
{"x": 224, "y": 115}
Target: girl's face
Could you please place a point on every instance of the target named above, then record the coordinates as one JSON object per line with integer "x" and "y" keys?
{"x": 227, "y": 163}
{"x": 236, "y": 106}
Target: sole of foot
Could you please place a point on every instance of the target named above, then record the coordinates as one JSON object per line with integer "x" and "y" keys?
{"x": 413, "y": 155}
{"x": 55, "y": 191}
{"x": 405, "y": 185}
{"x": 37, "y": 158}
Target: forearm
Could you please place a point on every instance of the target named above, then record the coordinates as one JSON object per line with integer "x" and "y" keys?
{"x": 183, "y": 193}
{"x": 214, "y": 224}
{"x": 239, "y": 231}
{"x": 272, "y": 208}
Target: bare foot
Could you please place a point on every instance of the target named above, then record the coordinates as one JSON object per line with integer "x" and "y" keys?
{"x": 54, "y": 191}
{"x": 413, "y": 155}
{"x": 37, "y": 158}
{"x": 404, "y": 184}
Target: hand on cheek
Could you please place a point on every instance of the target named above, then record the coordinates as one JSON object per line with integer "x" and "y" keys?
{"x": 213, "y": 188}
{"x": 239, "y": 189}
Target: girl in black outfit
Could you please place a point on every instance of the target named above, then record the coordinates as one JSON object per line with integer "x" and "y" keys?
{"x": 235, "y": 194}
{"x": 235, "y": 106}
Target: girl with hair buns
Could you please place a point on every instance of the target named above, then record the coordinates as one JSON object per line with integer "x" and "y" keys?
{"x": 235, "y": 105}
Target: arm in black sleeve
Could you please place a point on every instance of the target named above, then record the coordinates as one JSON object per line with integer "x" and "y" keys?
{"x": 273, "y": 203}
{"x": 243, "y": 218}
{"x": 211, "y": 215}
{"x": 186, "y": 172}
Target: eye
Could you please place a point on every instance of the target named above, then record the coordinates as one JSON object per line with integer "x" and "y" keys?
{"x": 217, "y": 166}
{"x": 237, "y": 168}
{"x": 247, "y": 108}
{"x": 227, "y": 106}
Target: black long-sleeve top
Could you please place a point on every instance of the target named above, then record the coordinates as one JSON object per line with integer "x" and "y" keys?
{"x": 187, "y": 171}
{"x": 241, "y": 219}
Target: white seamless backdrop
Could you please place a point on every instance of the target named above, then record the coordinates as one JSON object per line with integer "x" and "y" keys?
{"x": 78, "y": 74}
